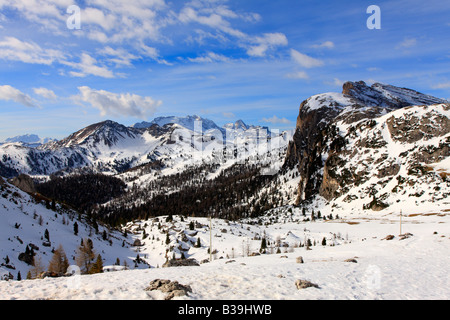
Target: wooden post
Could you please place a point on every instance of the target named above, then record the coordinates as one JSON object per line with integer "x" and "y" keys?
{"x": 210, "y": 239}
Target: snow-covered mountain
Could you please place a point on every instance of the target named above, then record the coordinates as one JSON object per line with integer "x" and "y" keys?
{"x": 112, "y": 148}
{"x": 188, "y": 122}
{"x": 359, "y": 193}
{"x": 30, "y": 140}
{"x": 372, "y": 148}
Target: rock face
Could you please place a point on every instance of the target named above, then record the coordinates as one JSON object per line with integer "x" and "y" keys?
{"x": 24, "y": 183}
{"x": 343, "y": 140}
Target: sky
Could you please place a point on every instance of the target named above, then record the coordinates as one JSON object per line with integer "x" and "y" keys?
{"x": 65, "y": 64}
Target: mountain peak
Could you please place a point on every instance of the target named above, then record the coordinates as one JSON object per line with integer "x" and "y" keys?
{"x": 385, "y": 95}
{"x": 239, "y": 124}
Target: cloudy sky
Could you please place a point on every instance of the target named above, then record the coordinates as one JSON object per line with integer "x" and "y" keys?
{"x": 254, "y": 60}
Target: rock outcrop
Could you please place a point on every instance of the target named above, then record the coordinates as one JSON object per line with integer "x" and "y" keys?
{"x": 172, "y": 288}
{"x": 343, "y": 140}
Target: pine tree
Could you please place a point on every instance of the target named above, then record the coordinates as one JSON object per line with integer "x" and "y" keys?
{"x": 97, "y": 267}
{"x": 47, "y": 235}
{"x": 263, "y": 245}
{"x": 75, "y": 228}
{"x": 324, "y": 241}
{"x": 167, "y": 238}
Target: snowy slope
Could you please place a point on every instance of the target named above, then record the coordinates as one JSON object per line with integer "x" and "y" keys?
{"x": 413, "y": 268}
{"x": 23, "y": 221}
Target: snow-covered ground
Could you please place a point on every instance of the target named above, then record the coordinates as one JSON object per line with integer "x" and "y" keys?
{"x": 413, "y": 268}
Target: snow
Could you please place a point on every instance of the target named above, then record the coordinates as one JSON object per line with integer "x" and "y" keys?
{"x": 414, "y": 268}
{"x": 326, "y": 100}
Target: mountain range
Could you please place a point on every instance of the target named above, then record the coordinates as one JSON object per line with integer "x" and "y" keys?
{"x": 110, "y": 147}
{"x": 357, "y": 160}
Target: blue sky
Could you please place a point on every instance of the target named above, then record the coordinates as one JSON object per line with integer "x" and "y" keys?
{"x": 254, "y": 60}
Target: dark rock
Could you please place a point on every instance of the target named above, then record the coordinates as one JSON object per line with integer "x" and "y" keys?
{"x": 304, "y": 284}
{"x": 24, "y": 183}
{"x": 173, "y": 288}
{"x": 180, "y": 263}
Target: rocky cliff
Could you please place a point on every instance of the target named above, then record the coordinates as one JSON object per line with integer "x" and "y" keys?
{"x": 371, "y": 144}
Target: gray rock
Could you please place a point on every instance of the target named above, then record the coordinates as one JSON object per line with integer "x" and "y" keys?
{"x": 304, "y": 284}
{"x": 180, "y": 263}
{"x": 172, "y": 288}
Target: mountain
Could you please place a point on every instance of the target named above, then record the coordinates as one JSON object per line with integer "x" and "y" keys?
{"x": 31, "y": 140}
{"x": 236, "y": 125}
{"x": 110, "y": 147}
{"x": 188, "y": 122}
{"x": 372, "y": 148}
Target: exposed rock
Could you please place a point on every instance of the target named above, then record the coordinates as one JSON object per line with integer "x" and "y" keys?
{"x": 321, "y": 148}
{"x": 389, "y": 237}
{"x": 180, "y": 263}
{"x": 304, "y": 284}
{"x": 352, "y": 260}
{"x": 24, "y": 183}
{"x": 27, "y": 258}
{"x": 405, "y": 236}
{"x": 173, "y": 288}
{"x": 299, "y": 260}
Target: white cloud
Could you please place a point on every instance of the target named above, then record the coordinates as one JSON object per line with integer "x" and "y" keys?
{"x": 124, "y": 104}
{"x": 276, "y": 120}
{"x": 88, "y": 66}
{"x": 407, "y": 43}
{"x": 9, "y": 93}
{"x": 46, "y": 93}
{"x": 304, "y": 60}
{"x": 444, "y": 85}
{"x": 120, "y": 56}
{"x": 266, "y": 42}
{"x": 13, "y": 49}
{"x": 217, "y": 17}
{"x": 325, "y": 45}
{"x": 336, "y": 82}
{"x": 229, "y": 115}
{"x": 298, "y": 75}
{"x": 210, "y": 57}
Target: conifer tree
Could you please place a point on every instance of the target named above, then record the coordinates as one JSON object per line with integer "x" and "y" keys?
{"x": 97, "y": 267}
{"x": 59, "y": 262}
{"x": 263, "y": 245}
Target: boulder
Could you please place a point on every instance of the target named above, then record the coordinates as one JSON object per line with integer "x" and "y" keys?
{"x": 180, "y": 263}
{"x": 304, "y": 284}
{"x": 173, "y": 288}
{"x": 299, "y": 260}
